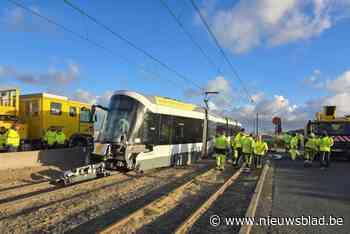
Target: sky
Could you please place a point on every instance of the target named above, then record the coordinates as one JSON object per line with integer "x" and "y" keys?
{"x": 292, "y": 56}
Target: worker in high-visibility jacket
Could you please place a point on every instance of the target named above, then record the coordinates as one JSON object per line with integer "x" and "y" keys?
{"x": 220, "y": 146}
{"x": 311, "y": 149}
{"x": 294, "y": 147}
{"x": 286, "y": 140}
{"x": 60, "y": 138}
{"x": 247, "y": 149}
{"x": 301, "y": 140}
{"x": 325, "y": 144}
{"x": 236, "y": 147}
{"x": 260, "y": 149}
{"x": 13, "y": 139}
{"x": 3, "y": 132}
{"x": 50, "y": 138}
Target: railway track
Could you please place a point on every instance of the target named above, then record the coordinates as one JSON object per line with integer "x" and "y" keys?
{"x": 66, "y": 208}
{"x": 149, "y": 213}
{"x": 33, "y": 192}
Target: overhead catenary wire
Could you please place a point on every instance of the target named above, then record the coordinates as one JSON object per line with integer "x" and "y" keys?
{"x": 188, "y": 34}
{"x": 211, "y": 33}
{"x": 87, "y": 39}
{"x": 131, "y": 44}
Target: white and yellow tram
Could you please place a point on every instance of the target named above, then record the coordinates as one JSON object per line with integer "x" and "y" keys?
{"x": 144, "y": 132}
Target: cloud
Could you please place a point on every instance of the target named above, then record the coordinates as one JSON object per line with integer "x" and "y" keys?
{"x": 341, "y": 84}
{"x": 340, "y": 93}
{"x": 226, "y": 103}
{"x": 314, "y": 80}
{"x": 17, "y": 19}
{"x": 258, "y": 97}
{"x": 88, "y": 97}
{"x": 341, "y": 100}
{"x": 51, "y": 78}
{"x": 223, "y": 100}
{"x": 252, "y": 23}
{"x": 293, "y": 116}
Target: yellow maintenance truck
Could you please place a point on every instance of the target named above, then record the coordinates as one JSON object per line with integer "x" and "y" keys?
{"x": 35, "y": 113}
{"x": 336, "y": 127}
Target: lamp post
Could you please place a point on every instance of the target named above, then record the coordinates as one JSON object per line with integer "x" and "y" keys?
{"x": 206, "y": 125}
{"x": 257, "y": 123}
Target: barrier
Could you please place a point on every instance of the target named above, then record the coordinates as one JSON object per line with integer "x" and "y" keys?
{"x": 61, "y": 158}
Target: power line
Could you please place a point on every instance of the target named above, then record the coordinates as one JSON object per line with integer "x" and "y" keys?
{"x": 172, "y": 13}
{"x": 220, "y": 48}
{"x": 85, "y": 38}
{"x": 131, "y": 44}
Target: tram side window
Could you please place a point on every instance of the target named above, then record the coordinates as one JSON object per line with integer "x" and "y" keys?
{"x": 179, "y": 130}
{"x": 165, "y": 129}
{"x": 193, "y": 130}
{"x": 150, "y": 129}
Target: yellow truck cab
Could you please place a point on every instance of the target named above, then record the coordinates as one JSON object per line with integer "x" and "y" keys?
{"x": 9, "y": 111}
{"x": 35, "y": 113}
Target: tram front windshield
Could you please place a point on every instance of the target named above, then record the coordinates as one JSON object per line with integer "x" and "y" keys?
{"x": 120, "y": 119}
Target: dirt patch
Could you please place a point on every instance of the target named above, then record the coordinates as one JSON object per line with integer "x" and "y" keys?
{"x": 28, "y": 175}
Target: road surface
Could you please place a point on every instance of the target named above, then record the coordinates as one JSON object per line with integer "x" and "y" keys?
{"x": 298, "y": 191}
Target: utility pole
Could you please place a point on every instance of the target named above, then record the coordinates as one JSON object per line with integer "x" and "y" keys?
{"x": 206, "y": 124}
{"x": 257, "y": 123}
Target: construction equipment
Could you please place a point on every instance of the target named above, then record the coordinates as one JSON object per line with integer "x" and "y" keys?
{"x": 336, "y": 127}
{"x": 84, "y": 173}
{"x": 35, "y": 113}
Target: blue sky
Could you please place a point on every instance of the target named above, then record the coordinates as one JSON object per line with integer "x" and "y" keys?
{"x": 292, "y": 55}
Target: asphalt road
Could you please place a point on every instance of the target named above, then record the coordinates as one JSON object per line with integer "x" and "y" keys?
{"x": 298, "y": 191}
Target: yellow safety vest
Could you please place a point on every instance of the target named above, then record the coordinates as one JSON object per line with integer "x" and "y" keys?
{"x": 326, "y": 143}
{"x": 247, "y": 145}
{"x": 2, "y": 140}
{"x": 12, "y": 138}
{"x": 286, "y": 138}
{"x": 236, "y": 142}
{"x": 60, "y": 138}
{"x": 50, "y": 138}
{"x": 312, "y": 143}
{"x": 294, "y": 142}
{"x": 221, "y": 142}
{"x": 260, "y": 148}
{"x": 301, "y": 138}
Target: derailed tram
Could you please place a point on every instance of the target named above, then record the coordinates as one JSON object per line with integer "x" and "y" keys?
{"x": 145, "y": 132}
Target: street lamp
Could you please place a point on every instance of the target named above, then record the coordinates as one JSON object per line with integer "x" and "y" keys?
{"x": 206, "y": 125}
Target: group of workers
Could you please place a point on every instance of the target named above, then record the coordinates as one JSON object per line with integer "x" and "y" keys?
{"x": 54, "y": 138}
{"x": 241, "y": 145}
{"x": 313, "y": 146}
{"x": 252, "y": 149}
{"x": 10, "y": 139}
